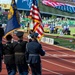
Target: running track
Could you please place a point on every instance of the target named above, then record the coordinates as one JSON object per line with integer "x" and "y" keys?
{"x": 57, "y": 61}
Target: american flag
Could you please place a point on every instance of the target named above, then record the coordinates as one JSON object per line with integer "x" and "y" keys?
{"x": 61, "y": 6}
{"x": 35, "y": 15}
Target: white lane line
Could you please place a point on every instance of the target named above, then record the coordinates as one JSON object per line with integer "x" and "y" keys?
{"x": 52, "y": 71}
{"x": 59, "y": 57}
{"x": 55, "y": 50}
{"x": 61, "y": 47}
{"x": 58, "y": 65}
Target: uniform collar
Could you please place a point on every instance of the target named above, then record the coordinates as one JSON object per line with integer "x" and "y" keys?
{"x": 8, "y": 41}
{"x": 34, "y": 41}
{"x": 20, "y": 40}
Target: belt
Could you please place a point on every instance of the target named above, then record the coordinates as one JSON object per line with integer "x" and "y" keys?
{"x": 33, "y": 54}
{"x": 19, "y": 53}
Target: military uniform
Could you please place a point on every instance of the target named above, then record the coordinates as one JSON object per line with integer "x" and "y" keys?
{"x": 20, "y": 60}
{"x": 1, "y": 47}
{"x": 9, "y": 59}
{"x": 34, "y": 50}
{"x": 1, "y": 56}
{"x": 1, "y": 32}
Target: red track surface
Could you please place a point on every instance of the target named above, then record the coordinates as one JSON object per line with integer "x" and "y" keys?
{"x": 57, "y": 61}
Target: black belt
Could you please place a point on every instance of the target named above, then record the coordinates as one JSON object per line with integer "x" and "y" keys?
{"x": 33, "y": 54}
{"x": 19, "y": 53}
{"x": 9, "y": 55}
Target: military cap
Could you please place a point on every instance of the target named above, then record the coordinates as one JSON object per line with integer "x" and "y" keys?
{"x": 19, "y": 34}
{"x": 9, "y": 37}
{"x": 34, "y": 35}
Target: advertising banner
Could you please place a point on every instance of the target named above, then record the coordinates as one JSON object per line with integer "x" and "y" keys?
{"x": 60, "y": 5}
{"x": 24, "y": 4}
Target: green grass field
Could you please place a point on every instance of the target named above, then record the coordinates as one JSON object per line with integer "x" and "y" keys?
{"x": 68, "y": 43}
{"x": 72, "y": 29}
{"x": 64, "y": 42}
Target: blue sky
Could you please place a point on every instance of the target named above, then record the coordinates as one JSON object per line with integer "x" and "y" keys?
{"x": 6, "y": 1}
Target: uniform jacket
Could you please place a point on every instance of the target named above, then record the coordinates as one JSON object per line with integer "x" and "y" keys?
{"x": 1, "y": 32}
{"x": 8, "y": 53}
{"x": 34, "y": 50}
{"x": 19, "y": 49}
{"x": 1, "y": 35}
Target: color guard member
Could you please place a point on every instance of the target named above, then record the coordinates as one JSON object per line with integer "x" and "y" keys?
{"x": 1, "y": 46}
{"x": 19, "y": 49}
{"x": 34, "y": 50}
{"x": 9, "y": 59}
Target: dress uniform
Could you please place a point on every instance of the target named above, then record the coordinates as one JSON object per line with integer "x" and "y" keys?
{"x": 19, "y": 49}
{"x": 34, "y": 50}
{"x": 1, "y": 32}
{"x": 1, "y": 56}
{"x": 1, "y": 47}
{"x": 9, "y": 59}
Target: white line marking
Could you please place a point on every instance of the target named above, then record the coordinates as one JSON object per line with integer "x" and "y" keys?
{"x": 52, "y": 71}
{"x": 59, "y": 57}
{"x": 58, "y": 64}
{"x": 54, "y": 50}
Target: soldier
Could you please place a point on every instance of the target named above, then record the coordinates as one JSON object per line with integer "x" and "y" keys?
{"x": 19, "y": 49}
{"x": 1, "y": 47}
{"x": 34, "y": 50}
{"x": 8, "y": 53}
{"x": 1, "y": 56}
{"x": 1, "y": 32}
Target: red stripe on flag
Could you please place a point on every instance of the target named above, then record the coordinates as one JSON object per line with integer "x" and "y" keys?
{"x": 39, "y": 29}
{"x": 35, "y": 15}
{"x": 35, "y": 8}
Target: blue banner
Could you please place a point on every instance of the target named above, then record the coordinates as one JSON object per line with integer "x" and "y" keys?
{"x": 13, "y": 19}
{"x": 24, "y": 4}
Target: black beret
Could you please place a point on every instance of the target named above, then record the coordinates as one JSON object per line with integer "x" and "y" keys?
{"x": 9, "y": 37}
{"x": 19, "y": 34}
